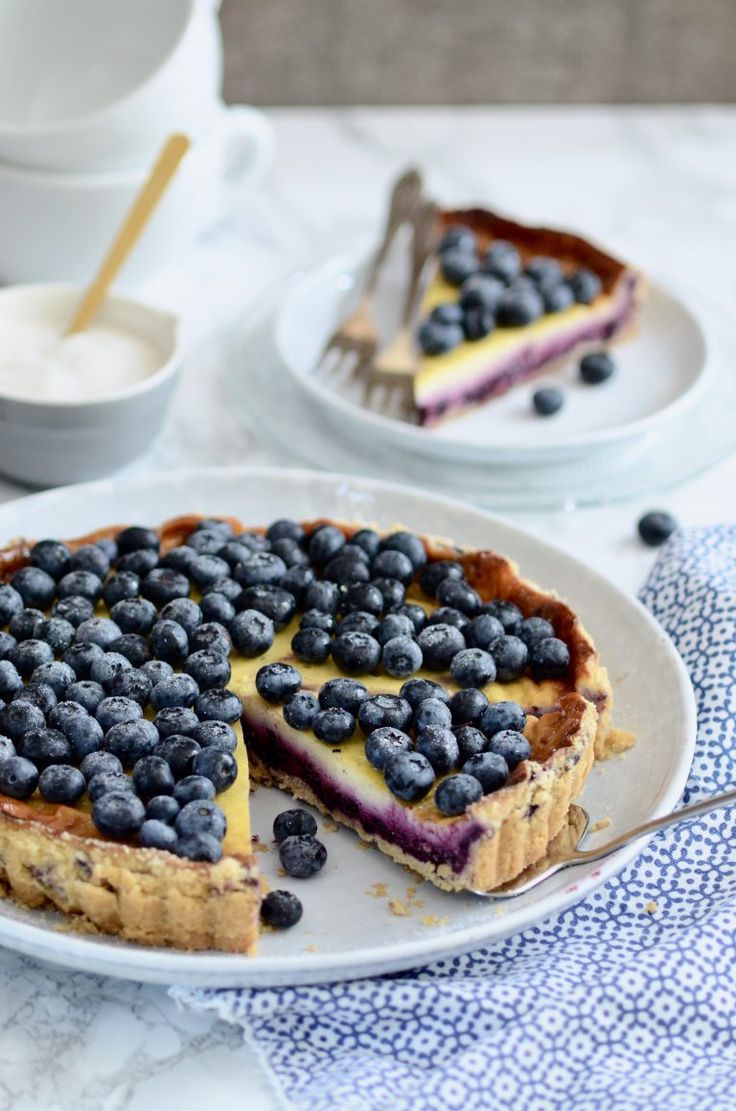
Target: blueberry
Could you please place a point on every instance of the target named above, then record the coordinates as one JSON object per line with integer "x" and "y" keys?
{"x": 478, "y": 323}
{"x": 7, "y": 748}
{"x": 448, "y": 615}
{"x": 51, "y": 556}
{"x": 408, "y": 775}
{"x": 315, "y": 619}
{"x": 105, "y": 783}
{"x": 57, "y": 632}
{"x": 39, "y": 694}
{"x": 217, "y": 734}
{"x": 169, "y": 642}
{"x": 435, "y": 338}
{"x": 470, "y": 742}
{"x": 217, "y": 525}
{"x": 293, "y": 823}
{"x": 542, "y": 269}
{"x": 118, "y": 814}
{"x": 585, "y": 285}
{"x": 185, "y": 612}
{"x": 11, "y": 603}
{"x": 163, "y": 585}
{"x": 393, "y": 564}
{"x": 547, "y": 401}
{"x": 384, "y": 743}
{"x": 596, "y": 368}
{"x": 18, "y": 777}
{"x": 456, "y": 793}
{"x": 345, "y": 570}
{"x": 218, "y": 766}
{"x": 432, "y": 713}
{"x": 106, "y": 667}
{"x": 467, "y": 705}
{"x": 36, "y": 587}
{"x": 209, "y": 669}
{"x": 100, "y": 763}
{"x": 201, "y": 816}
{"x": 367, "y": 539}
{"x": 252, "y": 632}
{"x": 179, "y": 753}
{"x": 152, "y": 776}
{"x": 510, "y": 655}
{"x": 227, "y": 588}
{"x": 417, "y": 690}
{"x": 134, "y": 615}
{"x": 557, "y": 296}
{"x": 549, "y": 659}
{"x": 280, "y": 910}
{"x": 345, "y": 693}
{"x": 194, "y": 787}
{"x": 218, "y": 705}
{"x": 140, "y": 562}
{"x": 401, "y": 656}
{"x": 481, "y": 291}
{"x": 115, "y": 710}
{"x": 409, "y": 544}
{"x": 472, "y": 667}
{"x": 261, "y": 569}
{"x": 98, "y": 630}
{"x": 299, "y": 710}
{"x": 285, "y": 529}
{"x": 211, "y": 637}
{"x": 322, "y": 596}
{"x": 57, "y": 675}
{"x": 83, "y": 732}
{"x": 82, "y": 584}
{"x": 457, "y": 264}
{"x": 311, "y": 645}
{"x": 155, "y": 834}
{"x": 392, "y": 591}
{"x": 333, "y": 725}
{"x": 459, "y": 595}
{"x": 217, "y": 608}
{"x": 273, "y": 601}
{"x": 296, "y": 580}
{"x": 87, "y": 693}
{"x": 436, "y": 571}
{"x": 179, "y": 559}
{"x": 534, "y": 629}
{"x": 324, "y": 543}
{"x": 25, "y": 625}
{"x": 207, "y": 570}
{"x": 44, "y": 747}
{"x": 207, "y": 541}
{"x": 254, "y": 541}
{"x": 276, "y": 682}
{"x": 202, "y": 847}
{"x": 440, "y": 747}
{"x": 484, "y": 631}
{"x": 61, "y": 783}
{"x": 125, "y": 584}
{"x": 490, "y": 769}
{"x": 134, "y": 648}
{"x": 7, "y": 644}
{"x": 10, "y": 680}
{"x": 135, "y": 537}
{"x": 156, "y": 670}
{"x": 89, "y": 557}
{"x": 519, "y": 305}
{"x": 302, "y": 855}
{"x": 73, "y": 609}
{"x": 290, "y": 552}
{"x": 108, "y": 546}
{"x": 655, "y": 527}
{"x": 356, "y": 653}
{"x": 512, "y": 746}
{"x": 359, "y": 621}
{"x": 80, "y": 658}
{"x": 507, "y": 613}
{"x": 382, "y": 710}
{"x": 502, "y": 260}
{"x": 30, "y": 654}
{"x": 457, "y": 235}
{"x": 175, "y": 720}
{"x": 394, "y": 625}
{"x": 364, "y": 597}
{"x": 439, "y": 643}
{"x": 130, "y": 741}
{"x": 162, "y": 808}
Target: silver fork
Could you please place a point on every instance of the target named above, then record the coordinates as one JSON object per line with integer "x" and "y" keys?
{"x": 354, "y": 342}
{"x": 562, "y": 856}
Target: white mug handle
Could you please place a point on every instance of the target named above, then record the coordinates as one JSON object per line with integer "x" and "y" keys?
{"x": 247, "y": 149}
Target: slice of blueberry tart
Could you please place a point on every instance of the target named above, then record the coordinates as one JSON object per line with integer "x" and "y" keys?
{"x": 424, "y": 695}
{"x": 508, "y": 302}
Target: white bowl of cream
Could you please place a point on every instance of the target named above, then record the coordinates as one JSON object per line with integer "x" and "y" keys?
{"x": 81, "y": 406}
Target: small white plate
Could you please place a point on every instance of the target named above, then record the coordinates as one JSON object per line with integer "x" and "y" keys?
{"x": 660, "y": 372}
{"x": 348, "y": 929}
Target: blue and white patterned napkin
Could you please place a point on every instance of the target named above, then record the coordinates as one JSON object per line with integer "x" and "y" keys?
{"x": 604, "y": 1006}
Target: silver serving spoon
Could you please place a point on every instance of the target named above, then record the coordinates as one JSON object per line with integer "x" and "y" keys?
{"x": 563, "y": 851}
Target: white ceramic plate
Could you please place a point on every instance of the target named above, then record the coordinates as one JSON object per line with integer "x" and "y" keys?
{"x": 348, "y": 929}
{"x": 659, "y": 374}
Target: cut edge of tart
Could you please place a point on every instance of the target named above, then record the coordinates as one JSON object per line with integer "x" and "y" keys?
{"x": 449, "y": 383}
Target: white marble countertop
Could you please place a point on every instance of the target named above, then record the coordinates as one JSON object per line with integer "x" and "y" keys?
{"x": 658, "y": 184}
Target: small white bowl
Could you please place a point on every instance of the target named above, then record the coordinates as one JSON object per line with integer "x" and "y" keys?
{"x": 52, "y": 443}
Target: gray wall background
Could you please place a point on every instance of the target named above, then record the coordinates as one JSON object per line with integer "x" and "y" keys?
{"x": 479, "y": 51}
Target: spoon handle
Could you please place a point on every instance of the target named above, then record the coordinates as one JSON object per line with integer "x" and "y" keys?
{"x": 164, "y": 169}
{"x": 684, "y": 815}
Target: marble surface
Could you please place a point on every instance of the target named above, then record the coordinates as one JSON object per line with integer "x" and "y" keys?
{"x": 656, "y": 184}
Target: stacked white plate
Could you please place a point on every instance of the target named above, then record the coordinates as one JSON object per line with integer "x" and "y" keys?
{"x": 661, "y": 418}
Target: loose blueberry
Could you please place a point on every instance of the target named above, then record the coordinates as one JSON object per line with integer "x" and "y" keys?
{"x": 363, "y": 597}
{"x": 18, "y": 778}
{"x": 311, "y": 645}
{"x": 447, "y": 313}
{"x": 61, "y": 783}
{"x": 510, "y": 655}
{"x": 217, "y": 525}
{"x": 467, "y": 705}
{"x": 596, "y": 368}
{"x": 156, "y": 670}
{"x": 285, "y": 529}
{"x": 656, "y": 527}
{"x": 439, "y": 643}
{"x": 293, "y": 823}
{"x": 473, "y": 667}
{"x": 502, "y": 716}
{"x": 156, "y": 834}
{"x": 346, "y": 570}
{"x": 547, "y": 401}
{"x": 302, "y": 856}
{"x": 549, "y": 659}
{"x": 585, "y": 286}
{"x": 481, "y": 291}
{"x": 118, "y": 814}
{"x": 408, "y": 775}
{"x": 296, "y": 580}
{"x": 261, "y": 569}
{"x": 40, "y": 694}
{"x": 490, "y": 769}
{"x": 300, "y": 710}
{"x": 394, "y": 564}
{"x": 333, "y": 725}
{"x": 456, "y": 793}
{"x": 280, "y": 910}
{"x": 324, "y": 543}
{"x": 347, "y": 694}
{"x": 513, "y": 746}
{"x": 478, "y": 323}
{"x": 401, "y": 656}
{"x": 356, "y": 653}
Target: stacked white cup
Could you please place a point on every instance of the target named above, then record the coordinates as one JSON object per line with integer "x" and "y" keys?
{"x": 89, "y": 90}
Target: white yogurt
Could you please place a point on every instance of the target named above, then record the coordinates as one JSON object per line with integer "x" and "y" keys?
{"x": 39, "y": 363}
